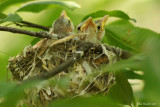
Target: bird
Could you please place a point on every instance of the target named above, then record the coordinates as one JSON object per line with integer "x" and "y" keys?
{"x": 63, "y": 26}
{"x": 95, "y": 29}
{"x": 88, "y": 27}
{"x": 95, "y": 32}
{"x": 101, "y": 27}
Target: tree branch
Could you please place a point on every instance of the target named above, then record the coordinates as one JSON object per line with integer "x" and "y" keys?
{"x": 82, "y": 48}
{"x": 123, "y": 54}
{"x": 29, "y": 24}
{"x": 40, "y": 34}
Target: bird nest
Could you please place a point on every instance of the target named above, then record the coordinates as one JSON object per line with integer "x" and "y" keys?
{"x": 84, "y": 76}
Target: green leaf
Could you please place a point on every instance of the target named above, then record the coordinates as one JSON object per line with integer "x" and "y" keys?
{"x": 6, "y": 3}
{"x": 114, "y": 13}
{"x": 11, "y": 18}
{"x": 95, "y": 101}
{"x": 41, "y": 5}
{"x": 34, "y": 41}
{"x": 5, "y": 88}
{"x": 133, "y": 75}
{"x": 2, "y": 15}
{"x": 133, "y": 62}
{"x": 12, "y": 92}
{"x": 122, "y": 91}
{"x": 151, "y": 67}
{"x": 123, "y": 34}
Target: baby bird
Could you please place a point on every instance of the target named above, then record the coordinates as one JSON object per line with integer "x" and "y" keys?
{"x": 101, "y": 27}
{"x": 95, "y": 30}
{"x": 63, "y": 26}
{"x": 89, "y": 27}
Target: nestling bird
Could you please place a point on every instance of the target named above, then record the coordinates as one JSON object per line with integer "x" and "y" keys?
{"x": 88, "y": 26}
{"x": 101, "y": 27}
{"x": 63, "y": 26}
{"x": 95, "y": 29}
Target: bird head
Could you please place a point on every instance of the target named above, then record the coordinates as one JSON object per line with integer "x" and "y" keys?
{"x": 63, "y": 26}
{"x": 88, "y": 27}
{"x": 101, "y": 26}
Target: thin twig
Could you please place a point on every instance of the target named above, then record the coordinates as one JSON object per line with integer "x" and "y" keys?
{"x": 40, "y": 34}
{"x": 29, "y": 24}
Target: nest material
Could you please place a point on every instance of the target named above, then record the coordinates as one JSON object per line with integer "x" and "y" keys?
{"x": 84, "y": 77}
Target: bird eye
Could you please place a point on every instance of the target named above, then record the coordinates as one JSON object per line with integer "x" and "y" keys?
{"x": 78, "y": 28}
{"x": 98, "y": 27}
{"x": 68, "y": 23}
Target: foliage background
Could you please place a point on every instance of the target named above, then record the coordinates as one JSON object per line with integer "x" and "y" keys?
{"x": 146, "y": 12}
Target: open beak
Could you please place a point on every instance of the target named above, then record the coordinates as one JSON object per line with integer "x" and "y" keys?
{"x": 88, "y": 23}
{"x": 103, "y": 21}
